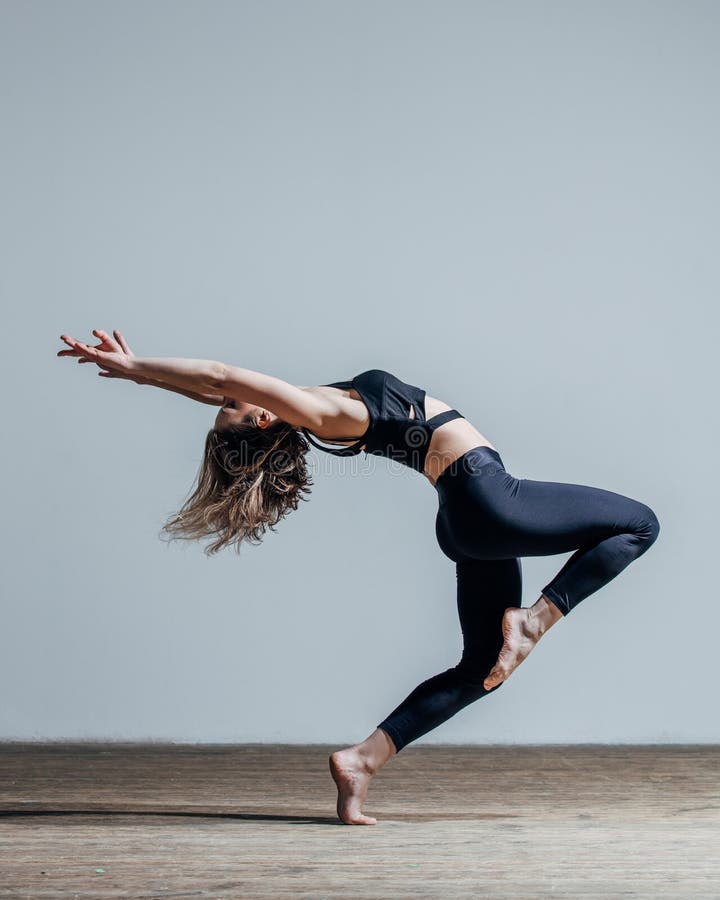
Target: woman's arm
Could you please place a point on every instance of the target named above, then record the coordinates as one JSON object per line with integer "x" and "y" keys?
{"x": 290, "y": 403}
{"x": 211, "y": 399}
{"x": 294, "y": 405}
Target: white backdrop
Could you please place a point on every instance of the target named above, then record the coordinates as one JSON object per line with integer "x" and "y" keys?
{"x": 512, "y": 205}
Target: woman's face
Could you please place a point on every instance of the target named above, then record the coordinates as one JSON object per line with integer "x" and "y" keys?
{"x": 234, "y": 412}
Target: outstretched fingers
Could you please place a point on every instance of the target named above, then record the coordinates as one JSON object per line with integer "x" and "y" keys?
{"x": 107, "y": 354}
{"x": 123, "y": 344}
{"x": 77, "y": 348}
{"x": 72, "y": 343}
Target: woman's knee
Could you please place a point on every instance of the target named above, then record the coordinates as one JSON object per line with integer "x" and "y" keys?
{"x": 649, "y": 526}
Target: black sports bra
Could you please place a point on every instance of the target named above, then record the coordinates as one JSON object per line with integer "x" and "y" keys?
{"x": 391, "y": 433}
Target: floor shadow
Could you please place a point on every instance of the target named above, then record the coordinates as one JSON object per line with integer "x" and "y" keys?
{"x": 388, "y": 816}
{"x": 179, "y": 814}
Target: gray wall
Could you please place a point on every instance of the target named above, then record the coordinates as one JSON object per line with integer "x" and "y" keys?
{"x": 514, "y": 205}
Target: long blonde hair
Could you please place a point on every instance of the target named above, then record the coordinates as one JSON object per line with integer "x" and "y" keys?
{"x": 249, "y": 479}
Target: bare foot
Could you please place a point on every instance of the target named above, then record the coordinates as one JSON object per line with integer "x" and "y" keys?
{"x": 520, "y": 633}
{"x": 352, "y": 774}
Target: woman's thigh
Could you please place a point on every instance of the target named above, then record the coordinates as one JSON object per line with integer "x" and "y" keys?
{"x": 498, "y": 516}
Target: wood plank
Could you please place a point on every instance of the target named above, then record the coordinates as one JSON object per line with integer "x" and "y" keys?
{"x": 250, "y": 821}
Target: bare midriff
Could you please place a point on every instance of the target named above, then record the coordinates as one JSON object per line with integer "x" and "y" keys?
{"x": 448, "y": 442}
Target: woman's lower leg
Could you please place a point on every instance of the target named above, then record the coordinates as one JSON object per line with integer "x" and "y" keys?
{"x": 485, "y": 590}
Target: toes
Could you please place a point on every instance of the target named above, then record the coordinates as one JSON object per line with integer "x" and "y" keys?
{"x": 360, "y": 820}
{"x": 495, "y": 677}
{"x": 355, "y": 817}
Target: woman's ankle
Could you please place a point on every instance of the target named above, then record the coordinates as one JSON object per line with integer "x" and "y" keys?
{"x": 544, "y": 614}
{"x": 376, "y": 750}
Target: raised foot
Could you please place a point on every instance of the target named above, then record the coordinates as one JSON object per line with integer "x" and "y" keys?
{"x": 520, "y": 634}
{"x": 352, "y": 775}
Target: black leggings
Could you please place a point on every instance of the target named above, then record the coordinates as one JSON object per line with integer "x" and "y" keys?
{"x": 486, "y": 521}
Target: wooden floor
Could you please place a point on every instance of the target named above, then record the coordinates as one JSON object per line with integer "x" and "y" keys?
{"x": 219, "y": 821}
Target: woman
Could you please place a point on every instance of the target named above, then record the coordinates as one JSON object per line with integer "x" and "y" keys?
{"x": 254, "y": 472}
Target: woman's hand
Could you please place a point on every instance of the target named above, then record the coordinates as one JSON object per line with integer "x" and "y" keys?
{"x": 116, "y": 360}
{"x": 113, "y": 356}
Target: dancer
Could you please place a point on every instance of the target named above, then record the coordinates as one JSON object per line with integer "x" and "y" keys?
{"x": 254, "y": 472}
